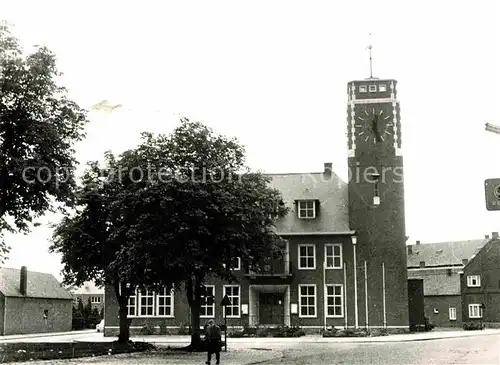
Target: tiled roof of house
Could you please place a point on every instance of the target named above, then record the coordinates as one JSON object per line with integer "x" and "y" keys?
{"x": 330, "y": 191}
{"x": 443, "y": 253}
{"x": 87, "y": 288}
{"x": 39, "y": 285}
{"x": 438, "y": 281}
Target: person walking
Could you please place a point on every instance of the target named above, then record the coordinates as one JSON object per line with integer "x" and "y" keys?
{"x": 213, "y": 339}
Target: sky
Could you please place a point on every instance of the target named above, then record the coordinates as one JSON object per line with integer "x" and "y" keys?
{"x": 274, "y": 74}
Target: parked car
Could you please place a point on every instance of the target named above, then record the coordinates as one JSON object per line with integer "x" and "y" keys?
{"x": 100, "y": 327}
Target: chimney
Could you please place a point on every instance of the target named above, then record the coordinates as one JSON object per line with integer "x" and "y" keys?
{"x": 328, "y": 169}
{"x": 409, "y": 250}
{"x": 418, "y": 242}
{"x": 494, "y": 235}
{"x": 422, "y": 264}
{"x": 23, "y": 287}
{"x": 487, "y": 236}
{"x": 465, "y": 261}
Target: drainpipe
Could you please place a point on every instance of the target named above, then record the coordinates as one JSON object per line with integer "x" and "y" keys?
{"x": 383, "y": 294}
{"x": 345, "y": 297}
{"x": 324, "y": 290}
{"x": 354, "y": 241}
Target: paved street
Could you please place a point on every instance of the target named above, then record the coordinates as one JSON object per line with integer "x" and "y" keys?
{"x": 481, "y": 348}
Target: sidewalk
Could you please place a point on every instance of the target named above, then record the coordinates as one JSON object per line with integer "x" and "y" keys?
{"x": 246, "y": 342}
{"x": 46, "y": 334}
{"x": 178, "y": 341}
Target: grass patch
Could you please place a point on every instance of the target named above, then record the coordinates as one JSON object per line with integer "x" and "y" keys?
{"x": 19, "y": 351}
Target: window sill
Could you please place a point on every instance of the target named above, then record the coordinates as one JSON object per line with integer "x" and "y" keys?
{"x": 301, "y": 316}
{"x": 334, "y": 268}
{"x": 307, "y": 268}
{"x": 340, "y": 316}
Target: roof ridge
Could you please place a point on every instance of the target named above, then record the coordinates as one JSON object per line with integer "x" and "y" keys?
{"x": 29, "y": 271}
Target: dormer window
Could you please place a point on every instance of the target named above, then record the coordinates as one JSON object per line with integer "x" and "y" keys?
{"x": 473, "y": 281}
{"x": 306, "y": 209}
{"x": 382, "y": 88}
{"x": 373, "y": 88}
{"x": 362, "y": 88}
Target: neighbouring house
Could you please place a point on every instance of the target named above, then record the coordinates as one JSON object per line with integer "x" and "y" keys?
{"x": 89, "y": 291}
{"x": 439, "y": 265}
{"x": 480, "y": 282}
{"x": 33, "y": 302}
{"x": 345, "y": 253}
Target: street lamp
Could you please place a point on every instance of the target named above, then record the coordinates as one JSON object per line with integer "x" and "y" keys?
{"x": 354, "y": 240}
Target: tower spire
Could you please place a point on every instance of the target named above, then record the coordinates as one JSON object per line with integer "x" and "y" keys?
{"x": 370, "y": 50}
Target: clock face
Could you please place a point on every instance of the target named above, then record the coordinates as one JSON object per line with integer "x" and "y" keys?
{"x": 373, "y": 125}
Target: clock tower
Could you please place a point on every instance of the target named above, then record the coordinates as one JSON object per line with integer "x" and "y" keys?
{"x": 376, "y": 204}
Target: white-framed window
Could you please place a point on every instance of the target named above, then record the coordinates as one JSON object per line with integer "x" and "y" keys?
{"x": 334, "y": 300}
{"x": 306, "y": 209}
{"x": 382, "y": 88}
{"x": 132, "y": 305}
{"x": 236, "y": 263}
{"x": 333, "y": 255}
{"x": 165, "y": 303}
{"x": 95, "y": 300}
{"x": 307, "y": 300}
{"x": 146, "y": 303}
{"x": 362, "y": 88}
{"x": 233, "y": 293}
{"x": 372, "y": 88}
{"x": 473, "y": 281}
{"x": 307, "y": 256}
{"x": 475, "y": 311}
{"x": 207, "y": 309}
{"x": 452, "y": 313}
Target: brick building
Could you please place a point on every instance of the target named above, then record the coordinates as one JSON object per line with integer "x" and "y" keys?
{"x": 439, "y": 265}
{"x": 480, "y": 283}
{"x": 345, "y": 261}
{"x": 32, "y": 302}
{"x": 89, "y": 291}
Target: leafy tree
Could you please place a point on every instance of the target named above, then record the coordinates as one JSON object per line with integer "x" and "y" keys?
{"x": 178, "y": 208}
{"x": 95, "y": 241}
{"x": 206, "y": 208}
{"x": 38, "y": 128}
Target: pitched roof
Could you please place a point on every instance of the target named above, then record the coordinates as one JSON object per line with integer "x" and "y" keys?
{"x": 88, "y": 287}
{"x": 39, "y": 285}
{"x": 330, "y": 192}
{"x": 444, "y": 253}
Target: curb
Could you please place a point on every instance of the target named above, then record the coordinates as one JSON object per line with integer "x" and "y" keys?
{"x": 410, "y": 339}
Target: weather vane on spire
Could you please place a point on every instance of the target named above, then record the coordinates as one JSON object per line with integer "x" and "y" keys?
{"x": 370, "y": 50}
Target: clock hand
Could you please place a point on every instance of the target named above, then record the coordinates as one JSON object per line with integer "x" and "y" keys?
{"x": 375, "y": 129}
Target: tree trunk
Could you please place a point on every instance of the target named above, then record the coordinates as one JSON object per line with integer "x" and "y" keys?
{"x": 124, "y": 335}
{"x": 195, "y": 324}
{"x": 193, "y": 291}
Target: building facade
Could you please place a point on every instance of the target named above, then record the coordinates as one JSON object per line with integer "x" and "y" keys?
{"x": 345, "y": 261}
{"x": 439, "y": 265}
{"x": 89, "y": 292}
{"x": 480, "y": 283}
{"x": 32, "y": 302}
